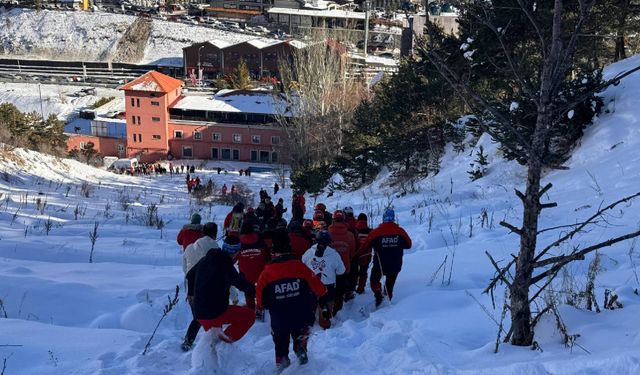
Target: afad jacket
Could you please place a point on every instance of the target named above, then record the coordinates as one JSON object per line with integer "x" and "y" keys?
{"x": 289, "y": 290}
{"x": 252, "y": 257}
{"x": 388, "y": 242}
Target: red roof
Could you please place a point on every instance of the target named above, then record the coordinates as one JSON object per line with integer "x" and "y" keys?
{"x": 153, "y": 81}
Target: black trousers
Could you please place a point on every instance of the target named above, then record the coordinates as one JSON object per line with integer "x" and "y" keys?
{"x": 193, "y": 329}
{"x": 281, "y": 337}
{"x": 376, "y": 276}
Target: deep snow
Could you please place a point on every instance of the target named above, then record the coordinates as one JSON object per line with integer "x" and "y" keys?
{"x": 67, "y": 316}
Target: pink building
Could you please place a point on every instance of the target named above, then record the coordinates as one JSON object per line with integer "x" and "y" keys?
{"x": 162, "y": 123}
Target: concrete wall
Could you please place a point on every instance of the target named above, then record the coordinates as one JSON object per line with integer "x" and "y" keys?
{"x": 201, "y": 148}
{"x": 105, "y": 146}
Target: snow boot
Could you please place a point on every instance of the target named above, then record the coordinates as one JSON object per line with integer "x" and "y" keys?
{"x": 282, "y": 363}
{"x": 186, "y": 345}
{"x": 302, "y": 356}
{"x": 378, "y": 296}
{"x": 348, "y": 296}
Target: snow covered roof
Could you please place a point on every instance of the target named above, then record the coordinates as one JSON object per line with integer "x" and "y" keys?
{"x": 154, "y": 82}
{"x": 234, "y": 101}
{"x": 264, "y": 42}
{"x": 219, "y": 43}
{"x": 332, "y": 13}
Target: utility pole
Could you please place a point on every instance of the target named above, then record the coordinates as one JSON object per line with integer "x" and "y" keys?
{"x": 41, "y": 108}
{"x": 367, "y": 5}
{"x": 199, "y": 66}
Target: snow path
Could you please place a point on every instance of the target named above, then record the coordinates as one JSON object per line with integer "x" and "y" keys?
{"x": 68, "y": 316}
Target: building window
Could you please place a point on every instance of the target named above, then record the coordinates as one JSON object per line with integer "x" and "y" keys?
{"x": 274, "y": 157}
{"x": 255, "y": 139}
{"x": 237, "y": 138}
{"x": 187, "y": 152}
{"x": 135, "y": 137}
{"x": 226, "y": 154}
{"x": 197, "y": 136}
{"x": 254, "y": 155}
{"x": 177, "y": 133}
{"x": 264, "y": 156}
{"x": 139, "y": 122}
{"x": 138, "y": 103}
{"x": 215, "y": 153}
{"x": 236, "y": 154}
{"x": 133, "y": 118}
{"x": 156, "y": 137}
{"x": 120, "y": 147}
{"x": 155, "y": 119}
{"x": 216, "y": 137}
{"x": 139, "y": 137}
{"x": 275, "y": 140}
{"x": 155, "y": 104}
{"x": 133, "y": 102}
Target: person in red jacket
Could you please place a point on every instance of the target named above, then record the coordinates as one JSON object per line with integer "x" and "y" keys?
{"x": 362, "y": 259}
{"x": 290, "y": 291}
{"x": 388, "y": 242}
{"x": 233, "y": 221}
{"x": 299, "y": 242}
{"x": 344, "y": 242}
{"x": 190, "y": 233}
{"x": 350, "y": 218}
{"x": 252, "y": 258}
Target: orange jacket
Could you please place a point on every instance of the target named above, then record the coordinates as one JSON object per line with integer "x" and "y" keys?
{"x": 344, "y": 242}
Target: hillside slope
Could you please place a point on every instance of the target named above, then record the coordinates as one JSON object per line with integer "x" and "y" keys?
{"x": 86, "y": 36}
{"x": 67, "y": 316}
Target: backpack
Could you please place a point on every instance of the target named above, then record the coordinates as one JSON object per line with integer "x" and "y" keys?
{"x": 236, "y": 222}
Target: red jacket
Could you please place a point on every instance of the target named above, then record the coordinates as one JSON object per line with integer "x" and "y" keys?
{"x": 189, "y": 234}
{"x": 252, "y": 257}
{"x": 299, "y": 244}
{"x": 388, "y": 242}
{"x": 289, "y": 290}
{"x": 363, "y": 233}
{"x": 344, "y": 242}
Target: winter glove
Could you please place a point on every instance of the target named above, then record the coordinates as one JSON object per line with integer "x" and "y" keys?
{"x": 326, "y": 314}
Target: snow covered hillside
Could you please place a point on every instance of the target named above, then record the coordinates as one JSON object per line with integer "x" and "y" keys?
{"x": 61, "y": 314}
{"x": 94, "y": 36}
{"x": 60, "y": 100}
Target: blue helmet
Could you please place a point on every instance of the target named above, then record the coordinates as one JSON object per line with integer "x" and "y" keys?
{"x": 389, "y": 216}
{"x": 323, "y": 237}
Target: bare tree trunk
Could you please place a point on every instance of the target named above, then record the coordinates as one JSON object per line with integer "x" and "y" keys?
{"x": 519, "y": 291}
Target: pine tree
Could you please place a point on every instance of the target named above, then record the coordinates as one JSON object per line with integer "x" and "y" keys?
{"x": 479, "y": 165}
{"x": 241, "y": 79}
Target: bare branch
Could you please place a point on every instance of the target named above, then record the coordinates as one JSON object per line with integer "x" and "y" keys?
{"x": 511, "y": 227}
{"x": 501, "y": 276}
{"x": 561, "y": 261}
{"x": 581, "y": 226}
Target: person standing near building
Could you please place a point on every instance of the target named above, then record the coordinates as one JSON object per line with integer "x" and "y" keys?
{"x": 289, "y": 290}
{"x": 388, "y": 242}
